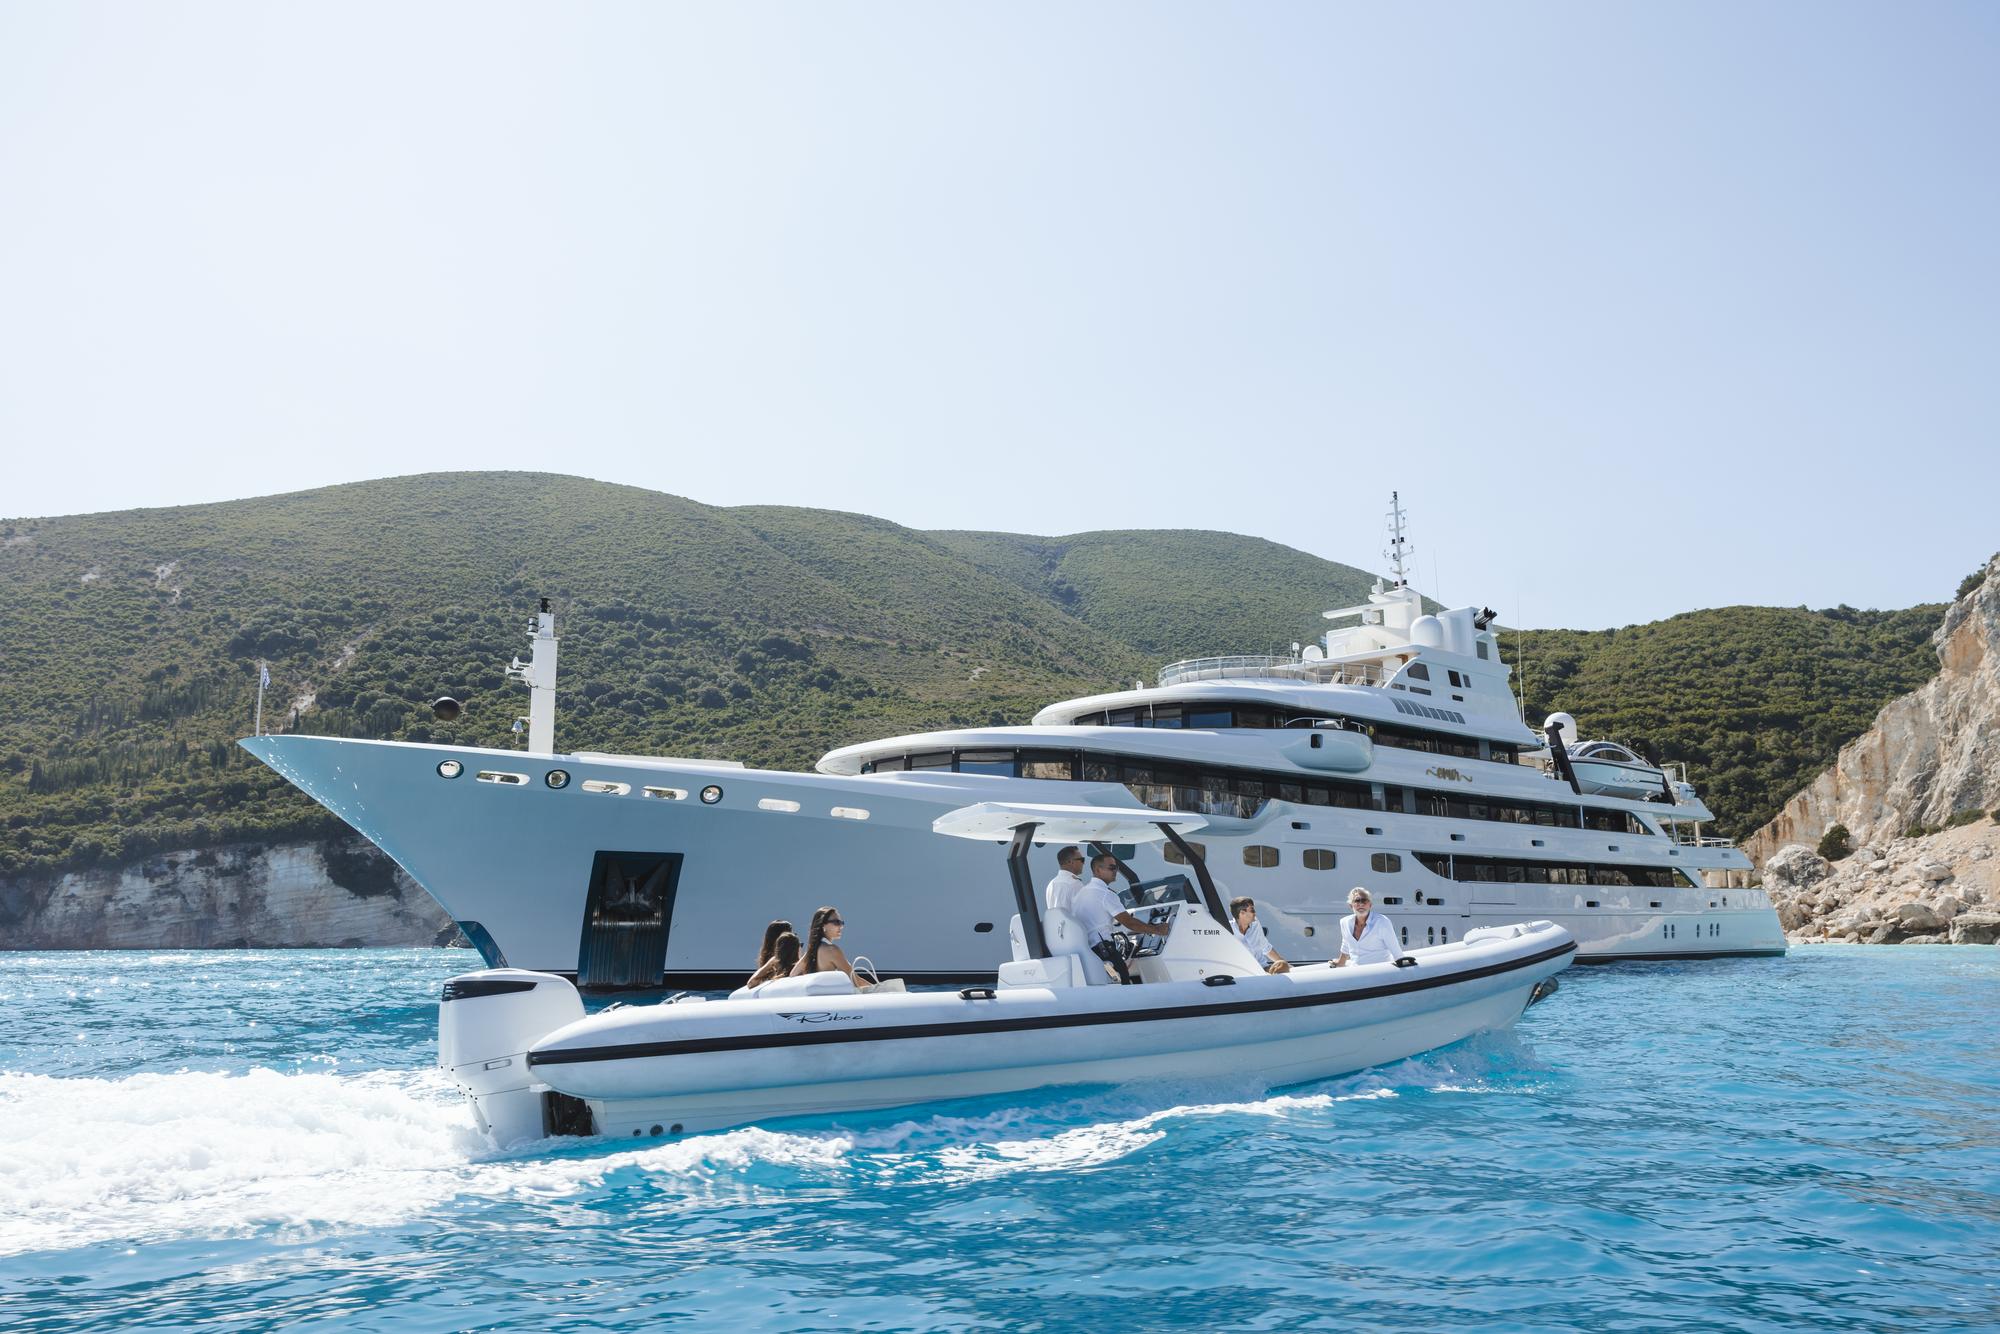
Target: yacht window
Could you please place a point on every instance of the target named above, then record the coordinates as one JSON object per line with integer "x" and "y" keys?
{"x": 1319, "y": 859}
{"x": 938, "y": 759}
{"x": 986, "y": 762}
{"x": 1416, "y": 671}
{"x": 1254, "y": 718}
{"x": 1165, "y": 715}
{"x": 1088, "y": 720}
{"x": 1173, "y": 853}
{"x": 888, "y": 764}
{"x": 1436, "y": 863}
{"x": 1125, "y": 718}
{"x": 1047, "y": 764}
{"x": 1452, "y": 675}
{"x": 1294, "y": 793}
{"x": 1210, "y": 718}
{"x": 1479, "y": 648}
{"x": 1384, "y": 863}
{"x": 1258, "y": 854}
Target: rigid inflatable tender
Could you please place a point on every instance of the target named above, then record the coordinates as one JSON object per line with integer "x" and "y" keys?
{"x": 534, "y": 1064}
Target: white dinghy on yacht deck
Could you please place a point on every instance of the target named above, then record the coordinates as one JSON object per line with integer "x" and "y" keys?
{"x": 520, "y": 1045}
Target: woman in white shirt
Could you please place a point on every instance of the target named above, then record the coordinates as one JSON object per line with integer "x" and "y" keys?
{"x": 1366, "y": 936}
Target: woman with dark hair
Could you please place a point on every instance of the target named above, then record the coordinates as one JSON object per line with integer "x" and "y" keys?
{"x": 823, "y": 953}
{"x": 780, "y": 927}
{"x": 782, "y": 957}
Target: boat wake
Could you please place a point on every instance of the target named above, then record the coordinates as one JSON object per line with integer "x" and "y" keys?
{"x": 294, "y": 1157}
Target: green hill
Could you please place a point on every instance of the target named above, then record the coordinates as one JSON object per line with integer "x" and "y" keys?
{"x": 129, "y": 643}
{"x": 1757, "y": 700}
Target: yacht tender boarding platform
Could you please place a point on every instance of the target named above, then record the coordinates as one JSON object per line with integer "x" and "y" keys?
{"x": 533, "y": 1064}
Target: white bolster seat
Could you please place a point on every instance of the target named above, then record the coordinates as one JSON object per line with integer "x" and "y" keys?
{"x": 812, "y": 984}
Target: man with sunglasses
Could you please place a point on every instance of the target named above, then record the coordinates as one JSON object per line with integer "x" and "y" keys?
{"x": 1096, "y": 907}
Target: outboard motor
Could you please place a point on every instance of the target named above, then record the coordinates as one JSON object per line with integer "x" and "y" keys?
{"x": 486, "y": 1023}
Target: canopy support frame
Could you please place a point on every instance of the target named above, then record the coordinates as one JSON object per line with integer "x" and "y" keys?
{"x": 1025, "y": 902}
{"x": 1208, "y": 893}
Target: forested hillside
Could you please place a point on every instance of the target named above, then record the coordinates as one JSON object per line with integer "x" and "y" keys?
{"x": 129, "y": 643}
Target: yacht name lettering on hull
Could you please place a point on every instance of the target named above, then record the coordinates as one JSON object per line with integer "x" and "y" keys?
{"x": 818, "y": 1017}
{"x": 1447, "y": 774}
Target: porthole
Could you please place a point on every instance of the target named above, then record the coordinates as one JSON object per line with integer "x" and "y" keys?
{"x": 556, "y": 778}
{"x": 1384, "y": 863}
{"x": 666, "y": 793}
{"x": 1260, "y": 855}
{"x": 710, "y": 795}
{"x": 450, "y": 768}
{"x": 1171, "y": 852}
{"x": 1309, "y": 930}
{"x": 1320, "y": 859}
{"x": 607, "y": 786}
{"x": 770, "y": 803}
{"x": 848, "y": 813}
{"x": 981, "y": 928}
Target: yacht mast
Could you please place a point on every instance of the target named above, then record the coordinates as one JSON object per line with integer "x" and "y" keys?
{"x": 1399, "y": 547}
{"x": 538, "y": 673}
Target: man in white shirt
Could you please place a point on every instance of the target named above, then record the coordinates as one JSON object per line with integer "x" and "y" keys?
{"x": 1069, "y": 879}
{"x": 1096, "y": 906}
{"x": 1252, "y": 933}
{"x": 1366, "y": 936}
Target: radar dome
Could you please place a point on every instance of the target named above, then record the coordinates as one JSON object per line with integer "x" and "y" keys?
{"x": 1562, "y": 720}
{"x": 1427, "y": 632}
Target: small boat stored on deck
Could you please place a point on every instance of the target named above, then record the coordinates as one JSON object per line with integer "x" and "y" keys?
{"x": 534, "y": 1064}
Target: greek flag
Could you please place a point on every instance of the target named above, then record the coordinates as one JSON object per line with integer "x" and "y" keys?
{"x": 263, "y": 674}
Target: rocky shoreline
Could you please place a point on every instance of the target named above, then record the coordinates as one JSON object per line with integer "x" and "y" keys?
{"x": 1940, "y": 889}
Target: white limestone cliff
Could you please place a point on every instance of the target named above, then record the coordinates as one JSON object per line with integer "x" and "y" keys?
{"x": 1918, "y": 794}
{"x": 1931, "y": 755}
{"x": 335, "y": 892}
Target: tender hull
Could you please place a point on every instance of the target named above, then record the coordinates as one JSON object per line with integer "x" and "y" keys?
{"x": 692, "y": 1066}
{"x": 513, "y": 863}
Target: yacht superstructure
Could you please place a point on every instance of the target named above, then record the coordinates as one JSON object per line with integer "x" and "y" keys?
{"x": 1391, "y": 754}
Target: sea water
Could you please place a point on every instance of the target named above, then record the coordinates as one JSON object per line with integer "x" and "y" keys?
{"x": 247, "y": 1141}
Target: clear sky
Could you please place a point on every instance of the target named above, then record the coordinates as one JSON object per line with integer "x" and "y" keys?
{"x": 1642, "y": 307}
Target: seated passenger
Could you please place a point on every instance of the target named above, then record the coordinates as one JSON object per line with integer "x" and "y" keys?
{"x": 1068, "y": 879}
{"x": 822, "y": 953}
{"x": 1252, "y": 932}
{"x": 779, "y": 962}
{"x": 1096, "y": 906}
{"x": 779, "y": 927}
{"x": 1366, "y": 936}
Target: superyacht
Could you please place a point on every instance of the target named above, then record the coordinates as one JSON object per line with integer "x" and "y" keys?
{"x": 1390, "y": 754}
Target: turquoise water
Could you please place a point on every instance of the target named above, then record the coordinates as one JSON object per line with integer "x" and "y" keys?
{"x": 251, "y": 1141}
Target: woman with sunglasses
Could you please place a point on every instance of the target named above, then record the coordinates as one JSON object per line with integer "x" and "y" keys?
{"x": 823, "y": 953}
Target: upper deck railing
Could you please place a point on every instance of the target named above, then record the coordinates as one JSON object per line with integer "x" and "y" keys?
{"x": 1252, "y": 666}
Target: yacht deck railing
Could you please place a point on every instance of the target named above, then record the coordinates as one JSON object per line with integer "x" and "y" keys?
{"x": 1253, "y": 666}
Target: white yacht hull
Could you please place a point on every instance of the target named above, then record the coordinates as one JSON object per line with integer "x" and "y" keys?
{"x": 680, "y": 1068}
{"x": 513, "y": 863}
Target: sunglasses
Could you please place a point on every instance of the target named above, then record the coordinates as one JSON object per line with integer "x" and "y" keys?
{"x": 834, "y": 921}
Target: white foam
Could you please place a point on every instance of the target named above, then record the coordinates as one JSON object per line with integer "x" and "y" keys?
{"x": 157, "y": 1156}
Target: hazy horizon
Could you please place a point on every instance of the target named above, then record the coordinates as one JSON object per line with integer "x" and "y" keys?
{"x": 1641, "y": 309}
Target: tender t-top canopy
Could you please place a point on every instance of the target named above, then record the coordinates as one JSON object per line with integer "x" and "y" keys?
{"x": 997, "y": 820}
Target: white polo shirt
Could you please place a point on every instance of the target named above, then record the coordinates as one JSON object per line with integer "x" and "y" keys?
{"x": 1061, "y": 890}
{"x": 1095, "y": 905}
{"x": 1378, "y": 943}
{"x": 1258, "y": 944}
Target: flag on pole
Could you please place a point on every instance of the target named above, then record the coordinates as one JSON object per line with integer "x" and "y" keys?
{"x": 263, "y": 674}
{"x": 263, "y": 679}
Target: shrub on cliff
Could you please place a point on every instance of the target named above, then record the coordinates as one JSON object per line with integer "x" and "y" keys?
{"x": 1834, "y": 844}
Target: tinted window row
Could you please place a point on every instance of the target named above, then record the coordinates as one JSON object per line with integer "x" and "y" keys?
{"x": 1242, "y": 793}
{"x": 1215, "y": 717}
{"x": 1507, "y": 871}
